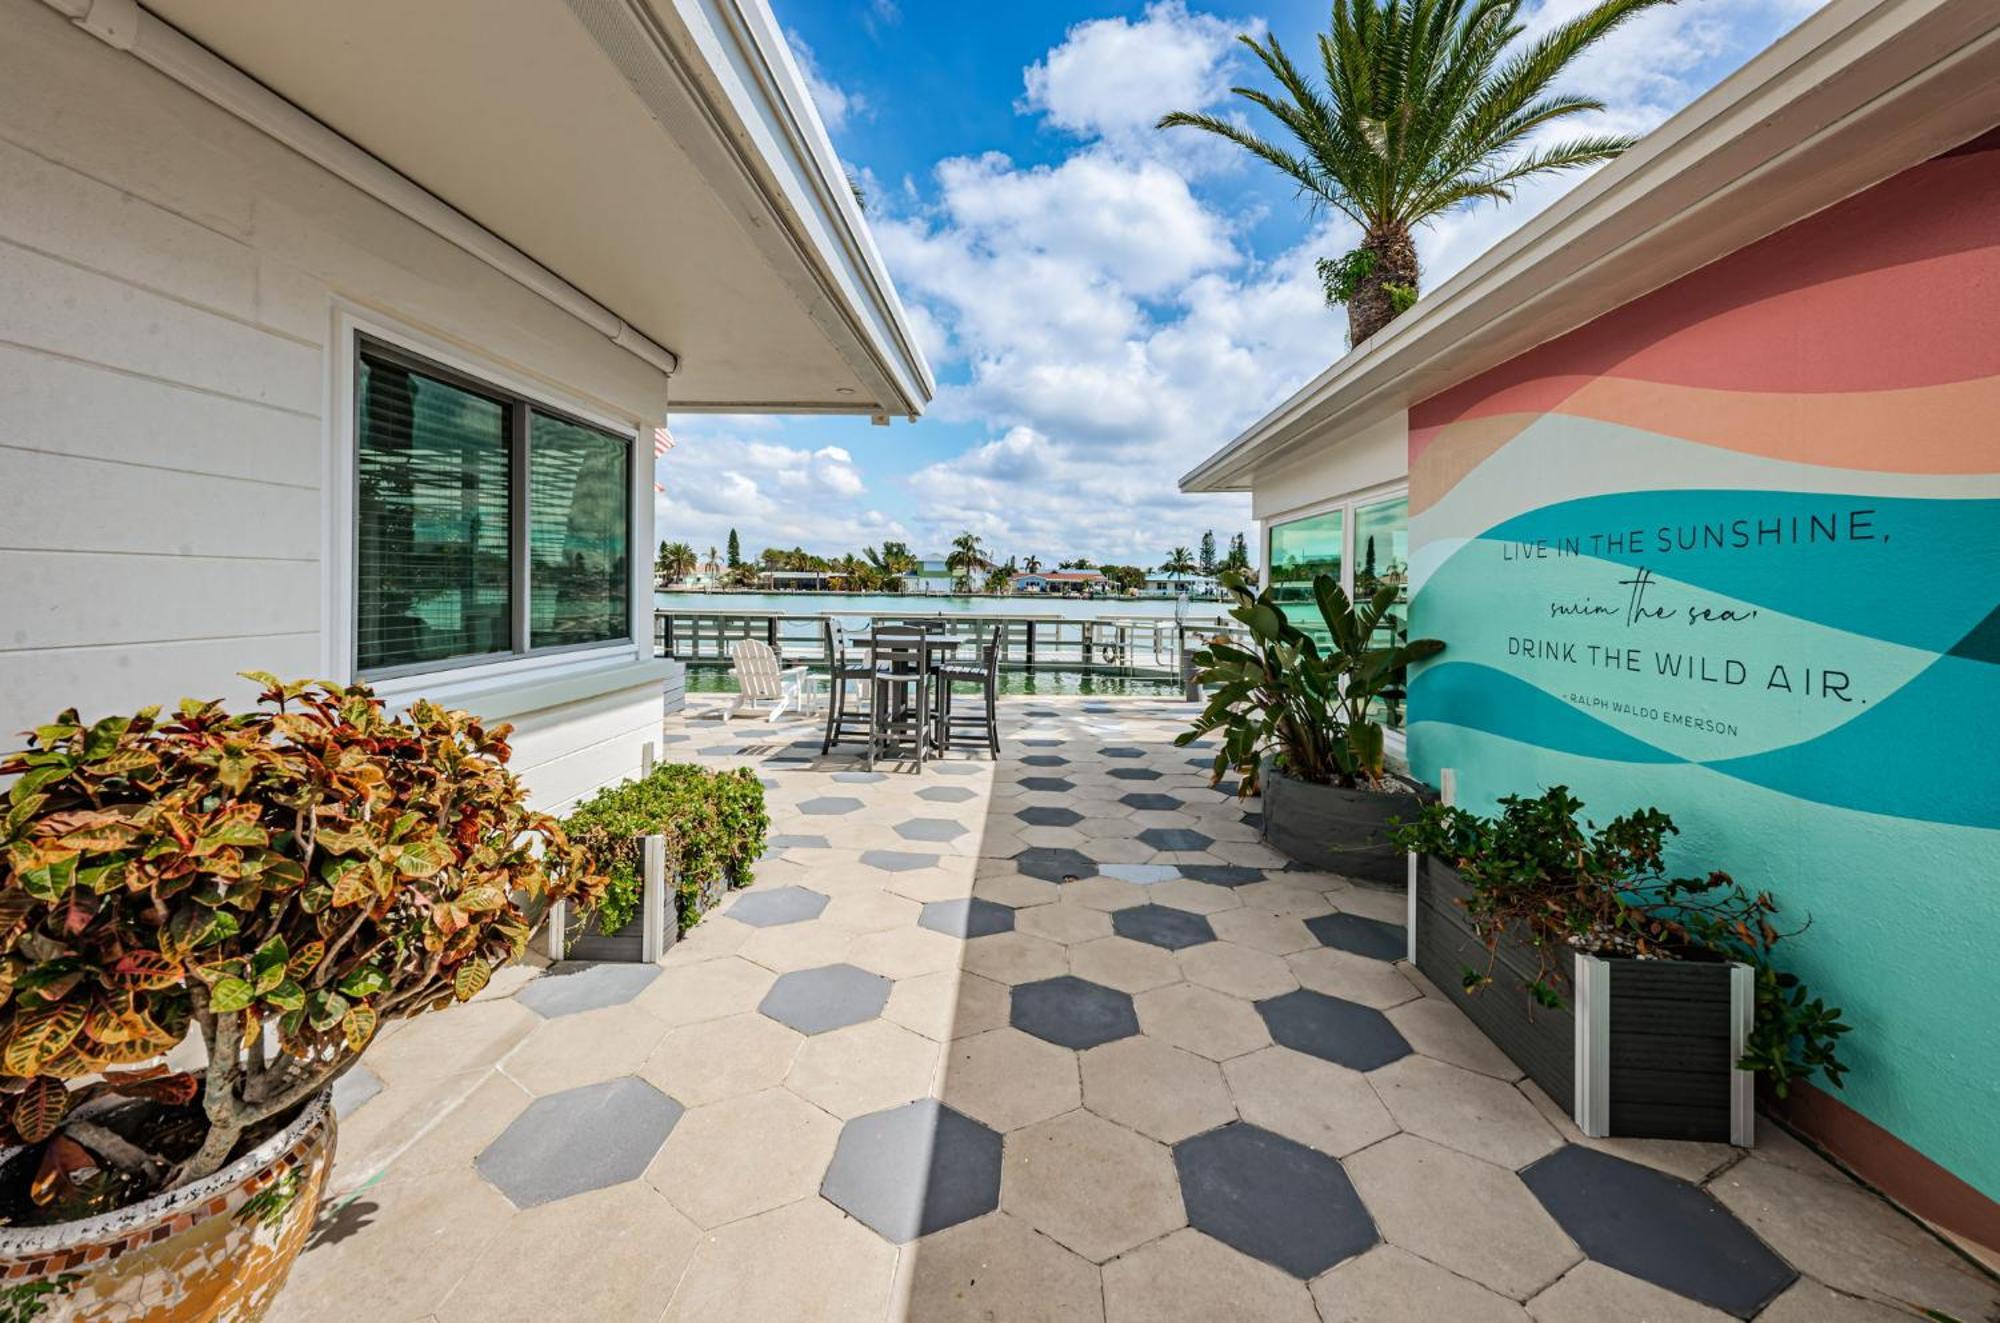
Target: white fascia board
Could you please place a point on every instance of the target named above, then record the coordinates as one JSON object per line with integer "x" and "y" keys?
{"x": 1857, "y": 92}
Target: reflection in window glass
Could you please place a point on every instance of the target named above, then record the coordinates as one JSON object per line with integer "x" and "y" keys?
{"x": 432, "y": 574}
{"x": 1300, "y": 551}
{"x": 578, "y": 583}
{"x": 1382, "y": 556}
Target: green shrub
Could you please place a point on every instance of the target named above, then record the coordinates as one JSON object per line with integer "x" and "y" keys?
{"x": 714, "y": 822}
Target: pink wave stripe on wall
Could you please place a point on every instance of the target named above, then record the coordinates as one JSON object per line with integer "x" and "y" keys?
{"x": 1841, "y": 302}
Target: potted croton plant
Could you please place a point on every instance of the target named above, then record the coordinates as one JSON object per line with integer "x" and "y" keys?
{"x": 277, "y": 884}
{"x": 1300, "y": 723}
{"x": 1645, "y": 1003}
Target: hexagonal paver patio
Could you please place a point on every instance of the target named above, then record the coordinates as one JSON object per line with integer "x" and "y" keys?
{"x": 898, "y": 861}
{"x": 830, "y": 806}
{"x": 779, "y": 905}
{"x": 914, "y": 1169}
{"x": 1176, "y": 839}
{"x": 930, "y": 829}
{"x": 1048, "y": 785}
{"x": 1361, "y": 935}
{"x": 576, "y": 986}
{"x": 578, "y": 1140}
{"x": 814, "y": 1001}
{"x": 1272, "y": 1198}
{"x": 1042, "y": 815}
{"x": 1073, "y": 1012}
{"x": 946, "y": 794}
{"x": 1147, "y": 802}
{"x": 1054, "y": 864}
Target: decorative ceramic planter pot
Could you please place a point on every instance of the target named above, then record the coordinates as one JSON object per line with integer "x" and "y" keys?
{"x": 1335, "y": 830}
{"x": 219, "y": 1249}
{"x": 1640, "y": 1049}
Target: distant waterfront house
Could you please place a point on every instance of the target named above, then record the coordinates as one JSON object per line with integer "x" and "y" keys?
{"x": 1166, "y": 585}
{"x": 350, "y": 326}
{"x": 932, "y": 575}
{"x": 1695, "y": 475}
{"x": 1028, "y": 583}
{"x": 1074, "y": 581}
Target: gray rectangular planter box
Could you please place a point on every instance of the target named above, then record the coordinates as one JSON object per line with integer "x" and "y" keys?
{"x": 1641, "y": 1049}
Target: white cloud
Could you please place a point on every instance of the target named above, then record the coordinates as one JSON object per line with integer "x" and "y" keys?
{"x": 835, "y": 103}
{"x": 722, "y": 476}
{"x": 1112, "y": 77}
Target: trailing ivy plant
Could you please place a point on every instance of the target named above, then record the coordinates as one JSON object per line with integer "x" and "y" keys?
{"x": 1312, "y": 710}
{"x": 1546, "y": 879}
{"x": 714, "y": 823}
{"x": 312, "y": 868}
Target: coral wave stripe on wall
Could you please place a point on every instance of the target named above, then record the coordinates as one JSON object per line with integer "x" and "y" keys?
{"x": 1734, "y": 549}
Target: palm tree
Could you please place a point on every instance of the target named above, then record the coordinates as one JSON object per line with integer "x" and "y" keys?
{"x": 1425, "y": 109}
{"x": 1033, "y": 564}
{"x": 966, "y": 559}
{"x": 676, "y": 561}
{"x": 891, "y": 563}
{"x": 1180, "y": 564}
{"x": 714, "y": 562}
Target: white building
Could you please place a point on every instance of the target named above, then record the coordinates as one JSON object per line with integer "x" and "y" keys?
{"x": 297, "y": 300}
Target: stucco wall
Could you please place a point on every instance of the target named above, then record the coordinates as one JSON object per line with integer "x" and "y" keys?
{"x": 1734, "y": 550}
{"x": 168, "y": 284}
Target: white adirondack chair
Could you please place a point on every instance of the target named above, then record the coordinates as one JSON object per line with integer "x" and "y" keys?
{"x": 759, "y": 680}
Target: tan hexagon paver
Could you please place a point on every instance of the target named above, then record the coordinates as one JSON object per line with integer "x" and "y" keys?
{"x": 870, "y": 911}
{"x": 1105, "y": 893}
{"x": 1015, "y": 957}
{"x": 1468, "y": 1216}
{"x": 1189, "y": 1276}
{"x": 431, "y": 1047}
{"x": 733, "y": 1159}
{"x": 623, "y": 1249}
{"x": 804, "y": 1261}
{"x": 584, "y": 1048}
{"x": 997, "y": 1267}
{"x": 797, "y": 946}
{"x": 1066, "y": 921}
{"x": 1009, "y": 1079}
{"x": 707, "y": 990}
{"x": 1156, "y": 1089}
{"x": 905, "y": 952}
{"x": 1203, "y": 1021}
{"x": 1239, "y": 971}
{"x": 1278, "y": 934}
{"x": 1352, "y": 977}
{"x": 1319, "y": 1104}
{"x": 1460, "y": 1109}
{"x": 1591, "y": 1292}
{"x": 948, "y": 1004}
{"x": 1119, "y": 962}
{"x": 717, "y": 1059}
{"x": 1093, "y": 1185}
{"x": 1438, "y": 1029}
{"x": 863, "y": 1068}
{"x": 1390, "y": 1285}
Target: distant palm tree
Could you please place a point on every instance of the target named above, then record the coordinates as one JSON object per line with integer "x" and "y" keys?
{"x": 1033, "y": 564}
{"x": 1180, "y": 564}
{"x": 890, "y": 564}
{"x": 714, "y": 562}
{"x": 676, "y": 561}
{"x": 1424, "y": 109}
{"x": 966, "y": 559}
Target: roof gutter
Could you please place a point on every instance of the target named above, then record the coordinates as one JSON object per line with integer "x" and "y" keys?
{"x": 123, "y": 25}
{"x": 1774, "y": 142}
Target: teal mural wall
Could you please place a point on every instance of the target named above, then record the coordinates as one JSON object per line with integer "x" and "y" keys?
{"x": 1734, "y": 550}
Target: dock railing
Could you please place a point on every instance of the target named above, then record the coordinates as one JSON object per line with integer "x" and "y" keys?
{"x": 1108, "y": 644}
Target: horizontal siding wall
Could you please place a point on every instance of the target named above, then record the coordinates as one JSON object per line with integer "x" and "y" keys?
{"x": 168, "y": 284}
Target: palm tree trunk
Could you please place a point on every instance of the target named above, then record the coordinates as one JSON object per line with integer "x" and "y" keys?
{"x": 1374, "y": 305}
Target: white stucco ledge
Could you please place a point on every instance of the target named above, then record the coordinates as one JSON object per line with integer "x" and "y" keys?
{"x": 501, "y": 698}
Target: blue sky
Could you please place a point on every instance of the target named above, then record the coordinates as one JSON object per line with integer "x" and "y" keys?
{"x": 1103, "y": 304}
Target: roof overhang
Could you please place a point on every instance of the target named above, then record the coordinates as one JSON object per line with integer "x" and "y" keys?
{"x": 1856, "y": 93}
{"x": 657, "y": 164}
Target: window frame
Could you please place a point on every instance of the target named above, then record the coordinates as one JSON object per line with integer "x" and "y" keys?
{"x": 520, "y": 403}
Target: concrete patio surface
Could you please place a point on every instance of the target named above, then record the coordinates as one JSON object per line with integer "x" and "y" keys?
{"x": 1055, "y": 1038}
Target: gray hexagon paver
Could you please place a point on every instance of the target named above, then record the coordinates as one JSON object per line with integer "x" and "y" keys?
{"x": 1162, "y": 925}
{"x": 967, "y": 918}
{"x": 1053, "y": 864}
{"x": 1658, "y": 1228}
{"x": 914, "y": 1169}
{"x": 1073, "y": 1012}
{"x": 1045, "y": 760}
{"x": 768, "y": 909}
{"x": 580, "y": 985}
{"x": 1358, "y": 1037}
{"x": 955, "y": 769}
{"x": 1041, "y": 815}
{"x": 859, "y": 778}
{"x": 1361, "y": 935}
{"x": 1223, "y": 875}
{"x": 930, "y": 829}
{"x": 720, "y": 751}
{"x": 1041, "y": 744}
{"x": 355, "y": 1086}
{"x": 1134, "y": 774}
{"x": 579, "y": 1139}
{"x": 898, "y": 861}
{"x": 1121, "y": 752}
{"x": 813, "y": 1001}
{"x": 1147, "y": 802}
{"x": 946, "y": 794}
{"x": 1047, "y": 785}
{"x": 829, "y": 806}
{"x": 1273, "y": 1199}
{"x": 1176, "y": 838}
{"x": 794, "y": 841}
